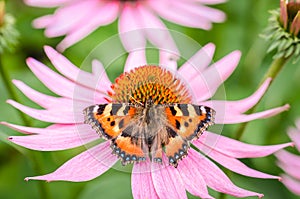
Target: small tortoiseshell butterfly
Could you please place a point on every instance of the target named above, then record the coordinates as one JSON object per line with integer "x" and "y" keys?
{"x": 138, "y": 131}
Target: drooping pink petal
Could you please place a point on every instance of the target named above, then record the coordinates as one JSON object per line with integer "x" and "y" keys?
{"x": 291, "y": 170}
{"x": 216, "y": 179}
{"x": 46, "y": 101}
{"x": 130, "y": 29}
{"x": 192, "y": 178}
{"x": 54, "y": 116}
{"x": 59, "y": 84}
{"x": 167, "y": 181}
{"x": 83, "y": 167}
{"x": 173, "y": 13}
{"x": 157, "y": 33}
{"x": 210, "y": 141}
{"x": 237, "y": 166}
{"x": 48, "y": 130}
{"x": 205, "y": 85}
{"x": 291, "y": 184}
{"x": 135, "y": 59}
{"x": 198, "y": 62}
{"x": 105, "y": 14}
{"x": 43, "y": 3}
{"x": 76, "y": 135}
{"x": 294, "y": 134}
{"x": 288, "y": 158}
{"x": 141, "y": 181}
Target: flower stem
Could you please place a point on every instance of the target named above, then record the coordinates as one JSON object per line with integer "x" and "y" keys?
{"x": 272, "y": 72}
{"x": 44, "y": 192}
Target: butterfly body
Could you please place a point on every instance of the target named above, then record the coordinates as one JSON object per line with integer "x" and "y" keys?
{"x": 138, "y": 131}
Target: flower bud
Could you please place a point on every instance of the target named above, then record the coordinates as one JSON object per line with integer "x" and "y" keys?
{"x": 283, "y": 30}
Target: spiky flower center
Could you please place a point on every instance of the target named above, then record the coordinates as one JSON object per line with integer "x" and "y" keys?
{"x": 149, "y": 83}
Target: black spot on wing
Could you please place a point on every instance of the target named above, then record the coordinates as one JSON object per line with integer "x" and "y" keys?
{"x": 173, "y": 111}
{"x": 171, "y": 132}
{"x": 177, "y": 124}
{"x": 115, "y": 108}
{"x": 112, "y": 123}
{"x": 101, "y": 109}
{"x": 184, "y": 109}
{"x": 186, "y": 124}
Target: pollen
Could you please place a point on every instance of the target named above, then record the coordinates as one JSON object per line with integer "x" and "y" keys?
{"x": 149, "y": 83}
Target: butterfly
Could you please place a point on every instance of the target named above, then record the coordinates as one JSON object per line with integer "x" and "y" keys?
{"x": 138, "y": 131}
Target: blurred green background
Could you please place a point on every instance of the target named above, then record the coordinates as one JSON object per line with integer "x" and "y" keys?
{"x": 245, "y": 21}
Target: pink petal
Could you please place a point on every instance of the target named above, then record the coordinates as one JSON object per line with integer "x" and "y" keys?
{"x": 83, "y": 167}
{"x": 72, "y": 72}
{"x": 103, "y": 84}
{"x": 233, "y": 148}
{"x": 130, "y": 29}
{"x": 135, "y": 59}
{"x": 170, "y": 11}
{"x": 43, "y": 22}
{"x": 105, "y": 14}
{"x": 198, "y": 62}
{"x": 167, "y": 182}
{"x": 200, "y": 12}
{"x": 157, "y": 32}
{"x": 292, "y": 184}
{"x": 192, "y": 178}
{"x": 216, "y": 179}
{"x": 294, "y": 134}
{"x": 141, "y": 181}
{"x": 46, "y": 101}
{"x": 168, "y": 60}
{"x": 65, "y": 20}
{"x": 288, "y": 158}
{"x": 205, "y": 86}
{"x": 291, "y": 170}
{"x": 233, "y": 118}
{"x": 237, "y": 166}
{"x": 43, "y": 3}
{"x": 58, "y": 84}
{"x": 48, "y": 130}
{"x": 76, "y": 135}
{"x": 54, "y": 116}
{"x": 241, "y": 106}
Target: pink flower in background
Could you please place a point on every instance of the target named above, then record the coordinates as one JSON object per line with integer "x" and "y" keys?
{"x": 78, "y": 89}
{"x": 290, "y": 163}
{"x": 77, "y": 19}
